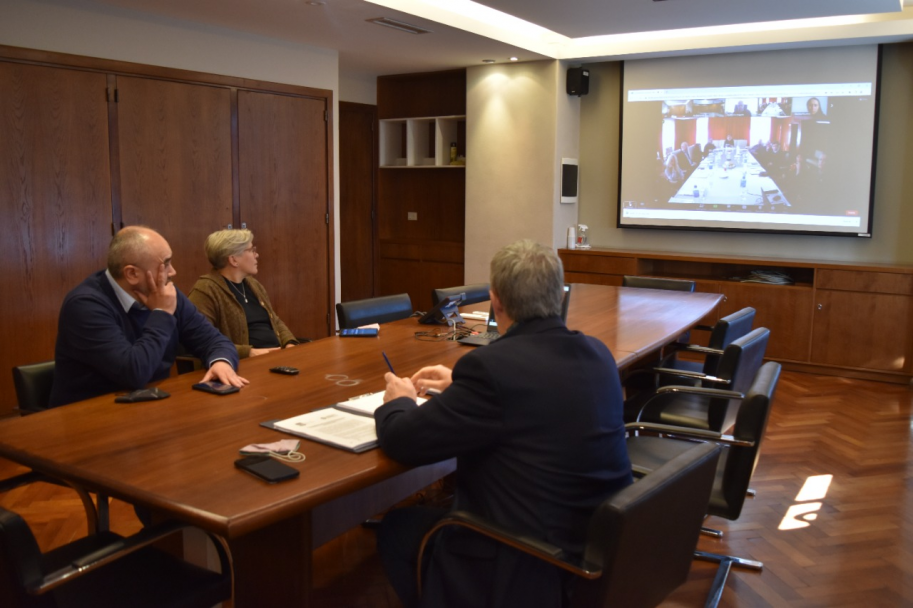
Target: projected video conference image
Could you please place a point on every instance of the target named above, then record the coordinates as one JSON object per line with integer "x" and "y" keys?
{"x": 790, "y": 150}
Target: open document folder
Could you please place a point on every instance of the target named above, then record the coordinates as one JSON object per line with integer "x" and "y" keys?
{"x": 348, "y": 425}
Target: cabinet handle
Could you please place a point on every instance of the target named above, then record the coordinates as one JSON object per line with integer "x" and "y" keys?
{"x": 228, "y": 226}
{"x": 820, "y": 306}
{"x": 725, "y": 298}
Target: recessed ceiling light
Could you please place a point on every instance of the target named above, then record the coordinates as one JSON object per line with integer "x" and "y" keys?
{"x": 315, "y": 3}
{"x": 514, "y": 59}
{"x": 488, "y": 61}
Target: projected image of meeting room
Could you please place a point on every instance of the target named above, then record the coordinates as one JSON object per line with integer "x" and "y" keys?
{"x": 739, "y": 153}
{"x": 772, "y": 157}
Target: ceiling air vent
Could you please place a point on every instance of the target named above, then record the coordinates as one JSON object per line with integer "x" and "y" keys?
{"x": 399, "y": 25}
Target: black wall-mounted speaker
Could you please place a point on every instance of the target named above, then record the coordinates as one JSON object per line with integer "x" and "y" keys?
{"x": 578, "y": 81}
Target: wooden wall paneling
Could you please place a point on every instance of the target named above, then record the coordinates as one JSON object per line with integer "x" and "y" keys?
{"x": 422, "y": 95}
{"x": 357, "y": 191}
{"x": 785, "y": 310}
{"x": 437, "y": 197}
{"x": 285, "y": 200}
{"x": 862, "y": 330}
{"x": 175, "y": 159}
{"x": 55, "y": 200}
{"x": 398, "y": 275}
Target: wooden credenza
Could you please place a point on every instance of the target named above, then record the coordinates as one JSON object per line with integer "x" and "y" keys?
{"x": 836, "y": 318}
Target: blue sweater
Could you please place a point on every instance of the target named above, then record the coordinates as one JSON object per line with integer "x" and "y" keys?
{"x": 99, "y": 351}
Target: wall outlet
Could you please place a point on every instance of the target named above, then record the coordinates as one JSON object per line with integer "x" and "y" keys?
{"x": 412, "y": 216}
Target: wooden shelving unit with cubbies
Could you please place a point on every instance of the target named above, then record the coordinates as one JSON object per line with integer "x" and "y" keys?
{"x": 420, "y": 142}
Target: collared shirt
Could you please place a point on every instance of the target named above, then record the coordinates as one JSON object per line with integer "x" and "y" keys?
{"x": 127, "y": 301}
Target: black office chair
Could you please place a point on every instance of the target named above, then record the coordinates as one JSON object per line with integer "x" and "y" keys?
{"x": 33, "y": 393}
{"x": 105, "y": 569}
{"x": 33, "y": 386}
{"x": 373, "y": 310}
{"x": 640, "y": 542}
{"x": 657, "y": 283}
{"x": 692, "y": 406}
{"x": 736, "y": 464}
{"x": 723, "y": 332}
{"x": 471, "y": 294}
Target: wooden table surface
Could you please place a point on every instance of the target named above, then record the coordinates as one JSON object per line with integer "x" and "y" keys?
{"x": 176, "y": 455}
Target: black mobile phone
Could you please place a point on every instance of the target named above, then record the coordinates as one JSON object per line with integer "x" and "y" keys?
{"x": 266, "y": 468}
{"x": 216, "y": 388}
{"x": 369, "y": 332}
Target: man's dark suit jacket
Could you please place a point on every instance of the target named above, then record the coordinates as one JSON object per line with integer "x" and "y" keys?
{"x": 100, "y": 351}
{"x": 535, "y": 421}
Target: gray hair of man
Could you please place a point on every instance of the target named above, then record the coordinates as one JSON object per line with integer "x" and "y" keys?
{"x": 127, "y": 247}
{"x": 222, "y": 244}
{"x": 528, "y": 279}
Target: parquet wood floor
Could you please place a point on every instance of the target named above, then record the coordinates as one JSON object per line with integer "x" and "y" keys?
{"x": 854, "y": 546}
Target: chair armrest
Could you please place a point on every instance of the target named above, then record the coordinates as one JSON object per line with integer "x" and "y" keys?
{"x": 681, "y": 373}
{"x": 705, "y": 350}
{"x": 537, "y": 548}
{"x": 116, "y": 550}
{"x": 23, "y": 479}
{"x": 687, "y": 433}
{"x": 700, "y": 390}
{"x": 670, "y": 429}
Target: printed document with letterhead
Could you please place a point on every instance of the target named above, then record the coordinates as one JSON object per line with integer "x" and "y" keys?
{"x": 348, "y": 424}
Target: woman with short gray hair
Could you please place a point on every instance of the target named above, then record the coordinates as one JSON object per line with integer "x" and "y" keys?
{"x": 234, "y": 301}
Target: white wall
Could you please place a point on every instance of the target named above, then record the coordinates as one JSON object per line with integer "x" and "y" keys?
{"x": 358, "y": 89}
{"x": 79, "y": 28}
{"x": 893, "y": 212}
{"x": 519, "y": 123}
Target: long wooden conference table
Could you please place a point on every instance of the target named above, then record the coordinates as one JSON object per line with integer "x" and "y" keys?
{"x": 176, "y": 455}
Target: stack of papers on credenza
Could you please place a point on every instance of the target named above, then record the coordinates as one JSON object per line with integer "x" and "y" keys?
{"x": 348, "y": 425}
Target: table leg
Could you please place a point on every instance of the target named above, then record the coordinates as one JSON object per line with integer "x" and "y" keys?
{"x": 273, "y": 564}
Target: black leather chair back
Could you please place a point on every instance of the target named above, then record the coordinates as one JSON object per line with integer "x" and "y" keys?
{"x": 738, "y": 462}
{"x": 657, "y": 283}
{"x": 727, "y": 329}
{"x": 645, "y": 535}
{"x": 739, "y": 364}
{"x": 473, "y": 293}
{"x": 33, "y": 386}
{"x": 373, "y": 310}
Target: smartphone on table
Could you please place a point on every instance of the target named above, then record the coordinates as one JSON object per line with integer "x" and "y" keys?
{"x": 217, "y": 388}
{"x": 368, "y": 332}
{"x": 266, "y": 468}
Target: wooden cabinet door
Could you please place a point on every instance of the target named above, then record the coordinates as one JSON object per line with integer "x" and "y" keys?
{"x": 55, "y": 200}
{"x": 785, "y": 310}
{"x": 862, "y": 330}
{"x": 285, "y": 201}
{"x": 175, "y": 165}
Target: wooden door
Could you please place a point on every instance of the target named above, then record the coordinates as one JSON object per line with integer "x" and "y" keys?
{"x": 357, "y": 191}
{"x": 55, "y": 199}
{"x": 862, "y": 330}
{"x": 175, "y": 165}
{"x": 785, "y": 310}
{"x": 285, "y": 200}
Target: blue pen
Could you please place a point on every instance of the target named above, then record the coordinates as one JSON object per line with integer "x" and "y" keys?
{"x": 388, "y": 362}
